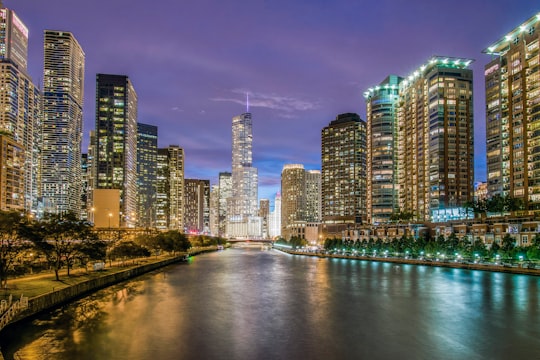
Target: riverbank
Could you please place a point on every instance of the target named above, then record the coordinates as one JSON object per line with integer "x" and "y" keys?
{"x": 448, "y": 264}
{"x": 73, "y": 287}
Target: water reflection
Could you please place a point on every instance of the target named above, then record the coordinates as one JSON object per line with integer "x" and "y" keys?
{"x": 250, "y": 304}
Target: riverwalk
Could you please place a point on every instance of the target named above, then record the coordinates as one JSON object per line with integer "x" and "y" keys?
{"x": 427, "y": 262}
{"x": 32, "y": 294}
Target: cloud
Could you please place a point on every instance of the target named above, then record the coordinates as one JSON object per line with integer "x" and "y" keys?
{"x": 271, "y": 101}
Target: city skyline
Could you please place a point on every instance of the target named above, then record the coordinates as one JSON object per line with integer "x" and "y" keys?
{"x": 302, "y": 64}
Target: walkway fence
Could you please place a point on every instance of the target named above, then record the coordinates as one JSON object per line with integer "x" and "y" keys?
{"x": 9, "y": 309}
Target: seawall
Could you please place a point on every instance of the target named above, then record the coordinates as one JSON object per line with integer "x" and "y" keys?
{"x": 56, "y": 298}
{"x": 448, "y": 264}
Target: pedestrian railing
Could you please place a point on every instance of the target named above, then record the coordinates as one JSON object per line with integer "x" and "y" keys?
{"x": 9, "y": 309}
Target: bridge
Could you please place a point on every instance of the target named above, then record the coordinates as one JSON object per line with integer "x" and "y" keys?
{"x": 258, "y": 241}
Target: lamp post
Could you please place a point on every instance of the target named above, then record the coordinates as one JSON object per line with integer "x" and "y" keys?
{"x": 110, "y": 216}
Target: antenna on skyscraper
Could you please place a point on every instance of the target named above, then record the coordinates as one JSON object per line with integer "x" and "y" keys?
{"x": 247, "y": 94}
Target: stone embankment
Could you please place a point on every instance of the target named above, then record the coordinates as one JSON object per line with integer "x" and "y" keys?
{"x": 448, "y": 264}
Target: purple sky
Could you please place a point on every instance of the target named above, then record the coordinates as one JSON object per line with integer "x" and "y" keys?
{"x": 302, "y": 62}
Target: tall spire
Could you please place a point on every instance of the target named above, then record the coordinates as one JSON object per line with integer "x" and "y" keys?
{"x": 247, "y": 94}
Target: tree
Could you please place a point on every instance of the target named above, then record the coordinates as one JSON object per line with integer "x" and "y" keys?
{"x": 507, "y": 245}
{"x": 173, "y": 241}
{"x": 128, "y": 249}
{"x": 60, "y": 237}
{"x": 11, "y": 242}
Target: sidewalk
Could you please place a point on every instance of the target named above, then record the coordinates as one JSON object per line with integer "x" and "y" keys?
{"x": 44, "y": 282}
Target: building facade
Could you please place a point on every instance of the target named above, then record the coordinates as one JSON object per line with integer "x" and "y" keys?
{"x": 512, "y": 83}
{"x": 435, "y": 140}
{"x": 274, "y": 219}
{"x": 225, "y": 192}
{"x": 382, "y": 185}
{"x": 147, "y": 146}
{"x": 312, "y": 212}
{"x": 343, "y": 178}
{"x": 197, "y": 206}
{"x": 20, "y": 115}
{"x": 116, "y": 140}
{"x": 242, "y": 205}
{"x": 293, "y": 197}
{"x": 175, "y": 160}
{"x": 63, "y": 94}
{"x": 11, "y": 174}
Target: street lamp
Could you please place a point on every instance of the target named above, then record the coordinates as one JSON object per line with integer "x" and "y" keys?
{"x": 110, "y": 216}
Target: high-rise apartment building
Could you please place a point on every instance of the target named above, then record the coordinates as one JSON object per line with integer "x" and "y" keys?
{"x": 20, "y": 99}
{"x": 196, "y": 206}
{"x": 435, "y": 140}
{"x": 214, "y": 210}
{"x": 116, "y": 140}
{"x": 147, "y": 146}
{"x": 13, "y": 38}
{"x": 343, "y": 178}
{"x": 162, "y": 190}
{"x": 225, "y": 192}
{"x": 242, "y": 205}
{"x": 293, "y": 197}
{"x": 264, "y": 212}
{"x": 512, "y": 82}
{"x": 312, "y": 213}
{"x": 63, "y": 94}
{"x": 274, "y": 219}
{"x": 11, "y": 174}
{"x": 170, "y": 188}
{"x": 382, "y": 186}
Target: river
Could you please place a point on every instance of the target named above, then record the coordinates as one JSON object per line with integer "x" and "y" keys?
{"x": 253, "y": 304}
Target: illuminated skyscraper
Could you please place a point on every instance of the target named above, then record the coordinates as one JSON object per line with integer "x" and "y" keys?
{"x": 13, "y": 39}
{"x": 162, "y": 190}
{"x": 11, "y": 174}
{"x": 513, "y": 115}
{"x": 435, "y": 140}
{"x": 382, "y": 185}
{"x": 116, "y": 139}
{"x": 170, "y": 189}
{"x": 20, "y": 106}
{"x": 225, "y": 192}
{"x": 196, "y": 205}
{"x": 313, "y": 196}
{"x": 147, "y": 136}
{"x": 293, "y": 197}
{"x": 274, "y": 219}
{"x": 63, "y": 94}
{"x": 242, "y": 206}
{"x": 343, "y": 179}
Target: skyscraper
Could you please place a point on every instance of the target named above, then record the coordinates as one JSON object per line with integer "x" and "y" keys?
{"x": 312, "y": 213}
{"x": 162, "y": 190}
{"x": 274, "y": 219}
{"x": 170, "y": 189}
{"x": 343, "y": 179}
{"x": 382, "y": 185}
{"x": 20, "y": 106}
{"x": 176, "y": 187}
{"x": 116, "y": 139}
{"x": 293, "y": 197}
{"x": 243, "y": 204}
{"x": 435, "y": 140}
{"x": 11, "y": 174}
{"x": 513, "y": 115}
{"x": 196, "y": 205}
{"x": 225, "y": 192}
{"x": 63, "y": 93}
{"x": 147, "y": 143}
